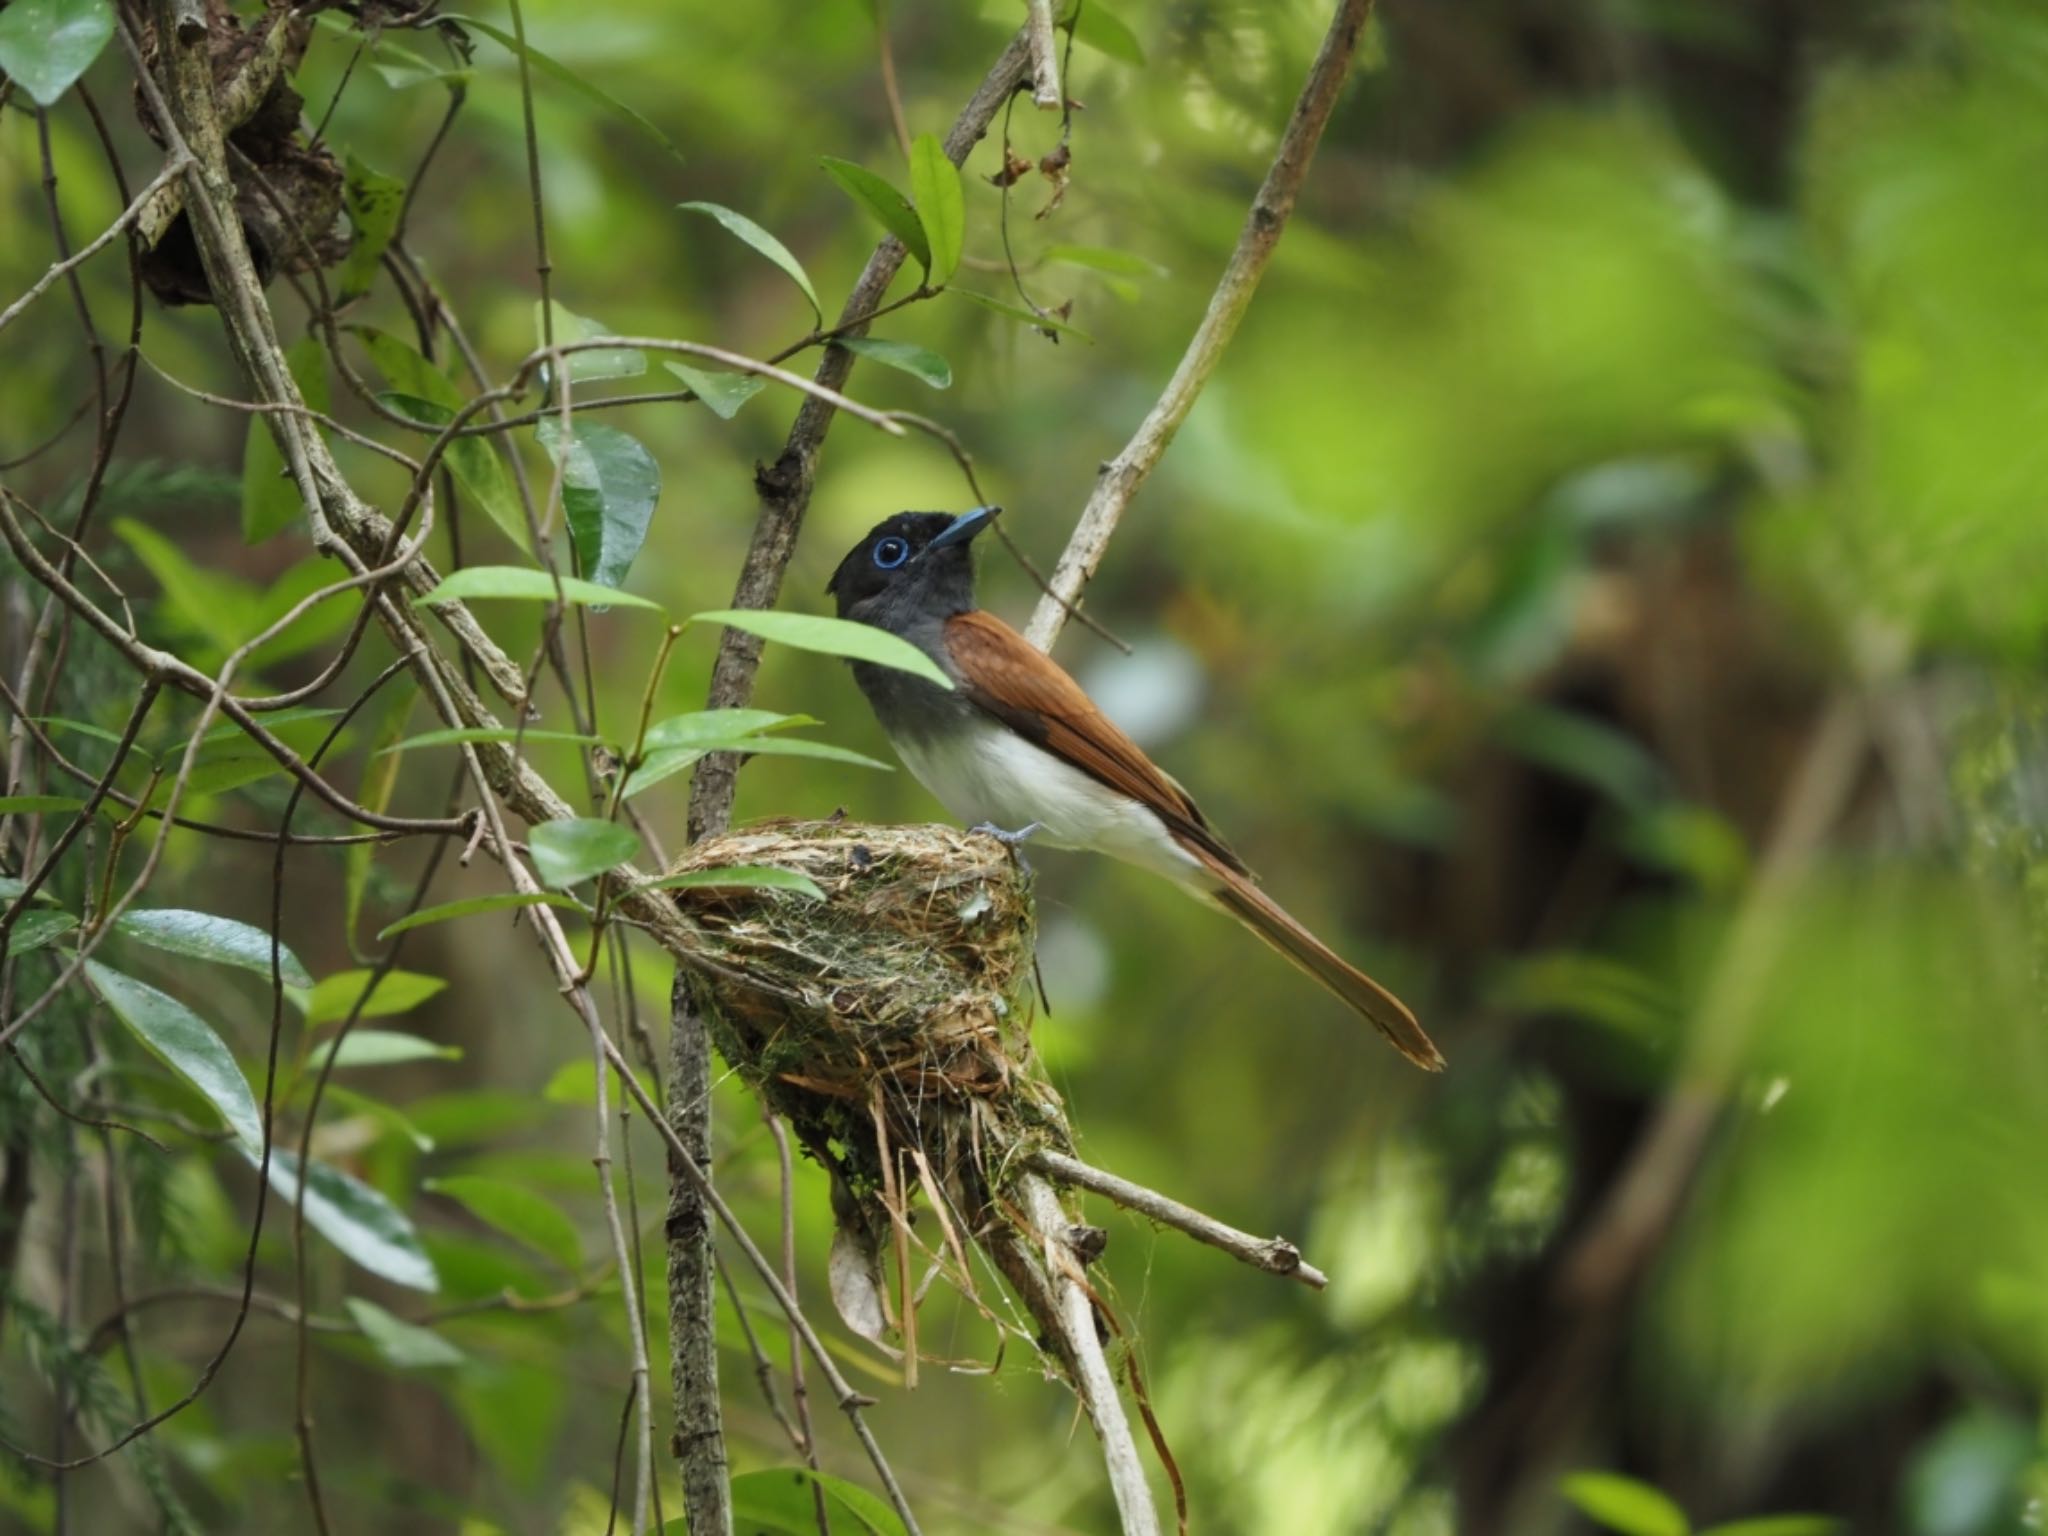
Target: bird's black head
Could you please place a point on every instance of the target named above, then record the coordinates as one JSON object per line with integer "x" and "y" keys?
{"x": 915, "y": 566}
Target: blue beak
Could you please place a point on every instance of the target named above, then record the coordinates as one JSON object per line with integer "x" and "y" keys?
{"x": 964, "y": 527}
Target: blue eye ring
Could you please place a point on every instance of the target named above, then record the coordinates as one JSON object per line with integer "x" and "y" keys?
{"x": 892, "y": 552}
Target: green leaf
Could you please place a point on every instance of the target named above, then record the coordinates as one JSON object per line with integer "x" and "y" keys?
{"x": 37, "y": 805}
{"x": 373, "y": 201}
{"x": 405, "y": 1346}
{"x": 388, "y": 1047}
{"x": 669, "y": 762}
{"x": 941, "y": 210}
{"x": 204, "y": 603}
{"x": 578, "y": 847}
{"x": 45, "y": 45}
{"x": 503, "y": 901}
{"x": 360, "y": 1221}
{"x": 270, "y": 497}
{"x": 425, "y": 395}
{"x": 1103, "y": 32}
{"x": 81, "y": 727}
{"x": 723, "y": 392}
{"x": 380, "y": 782}
{"x": 203, "y": 936}
{"x": 777, "y": 1501}
{"x": 518, "y": 1213}
{"x": 1623, "y": 1504}
{"x": 890, "y": 208}
{"x": 701, "y": 726}
{"x": 1100, "y": 258}
{"x": 912, "y": 359}
{"x": 1024, "y": 316}
{"x": 610, "y": 484}
{"x": 395, "y": 992}
{"x": 575, "y": 1082}
{"x": 833, "y": 637}
{"x": 527, "y": 586}
{"x": 33, "y": 930}
{"x": 187, "y": 1044}
{"x": 476, "y": 733}
{"x": 745, "y": 877}
{"x": 562, "y": 74}
{"x": 352, "y": 1102}
{"x": 753, "y": 234}
{"x": 598, "y": 362}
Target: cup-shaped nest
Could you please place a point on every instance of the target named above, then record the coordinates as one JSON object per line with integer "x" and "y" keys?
{"x": 892, "y": 1011}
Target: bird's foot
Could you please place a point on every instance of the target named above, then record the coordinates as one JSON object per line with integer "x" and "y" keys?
{"x": 1007, "y": 839}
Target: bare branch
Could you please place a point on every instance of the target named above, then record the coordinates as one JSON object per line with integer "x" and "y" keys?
{"x": 1045, "y": 55}
{"x": 1121, "y": 477}
{"x": 1274, "y": 1255}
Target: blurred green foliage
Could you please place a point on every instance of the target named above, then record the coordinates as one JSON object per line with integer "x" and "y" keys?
{"x": 1639, "y": 386}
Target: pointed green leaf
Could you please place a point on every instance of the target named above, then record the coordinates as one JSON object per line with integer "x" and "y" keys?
{"x": 1103, "y": 32}
{"x": 360, "y": 1221}
{"x": 203, "y": 936}
{"x": 478, "y": 733}
{"x": 565, "y": 76}
{"x": 351, "y": 1102}
{"x": 404, "y": 1346}
{"x": 941, "y": 210}
{"x": 33, "y": 930}
{"x": 748, "y": 877}
{"x": 610, "y": 484}
{"x": 723, "y": 392}
{"x": 1024, "y": 316}
{"x": 578, "y": 847}
{"x": 373, "y": 201}
{"x": 187, "y": 1044}
{"x": 517, "y": 1212}
{"x": 205, "y": 603}
{"x": 753, "y": 234}
{"x": 395, "y": 992}
{"x": 1099, "y": 258}
{"x": 421, "y": 392}
{"x": 596, "y": 363}
{"x": 777, "y": 1501}
{"x": 834, "y": 637}
{"x": 527, "y": 586}
{"x": 387, "y": 1047}
{"x": 38, "y": 805}
{"x": 504, "y": 901}
{"x": 270, "y": 497}
{"x": 669, "y": 762}
{"x": 1624, "y": 1504}
{"x": 919, "y": 362}
{"x": 891, "y": 209}
{"x": 717, "y": 725}
{"x": 45, "y": 45}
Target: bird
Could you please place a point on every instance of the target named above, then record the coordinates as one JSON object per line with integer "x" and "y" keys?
{"x": 1017, "y": 748}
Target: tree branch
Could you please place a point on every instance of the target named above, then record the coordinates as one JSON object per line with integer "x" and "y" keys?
{"x": 1121, "y": 477}
{"x": 1274, "y": 1255}
{"x": 785, "y": 490}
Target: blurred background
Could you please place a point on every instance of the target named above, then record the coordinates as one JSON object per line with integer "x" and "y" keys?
{"x": 1603, "y": 591}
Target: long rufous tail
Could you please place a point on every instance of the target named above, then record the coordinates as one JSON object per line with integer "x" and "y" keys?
{"x": 1251, "y": 906}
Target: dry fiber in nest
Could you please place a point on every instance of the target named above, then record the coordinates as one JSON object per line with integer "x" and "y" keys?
{"x": 889, "y": 1022}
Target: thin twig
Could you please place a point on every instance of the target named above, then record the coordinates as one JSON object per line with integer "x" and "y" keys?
{"x": 1121, "y": 477}
{"x": 1274, "y": 1255}
{"x": 1045, "y": 55}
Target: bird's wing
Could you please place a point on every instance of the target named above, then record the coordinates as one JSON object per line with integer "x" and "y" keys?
{"x": 1006, "y": 675}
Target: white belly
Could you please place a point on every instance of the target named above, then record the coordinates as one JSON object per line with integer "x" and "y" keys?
{"x": 986, "y": 772}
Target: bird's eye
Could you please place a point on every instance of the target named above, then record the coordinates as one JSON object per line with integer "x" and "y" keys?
{"x": 891, "y": 552}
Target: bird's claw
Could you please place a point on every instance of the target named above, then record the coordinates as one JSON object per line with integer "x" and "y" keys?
{"x": 1007, "y": 839}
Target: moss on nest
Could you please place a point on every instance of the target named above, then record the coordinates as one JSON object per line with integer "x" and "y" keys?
{"x": 903, "y": 995}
